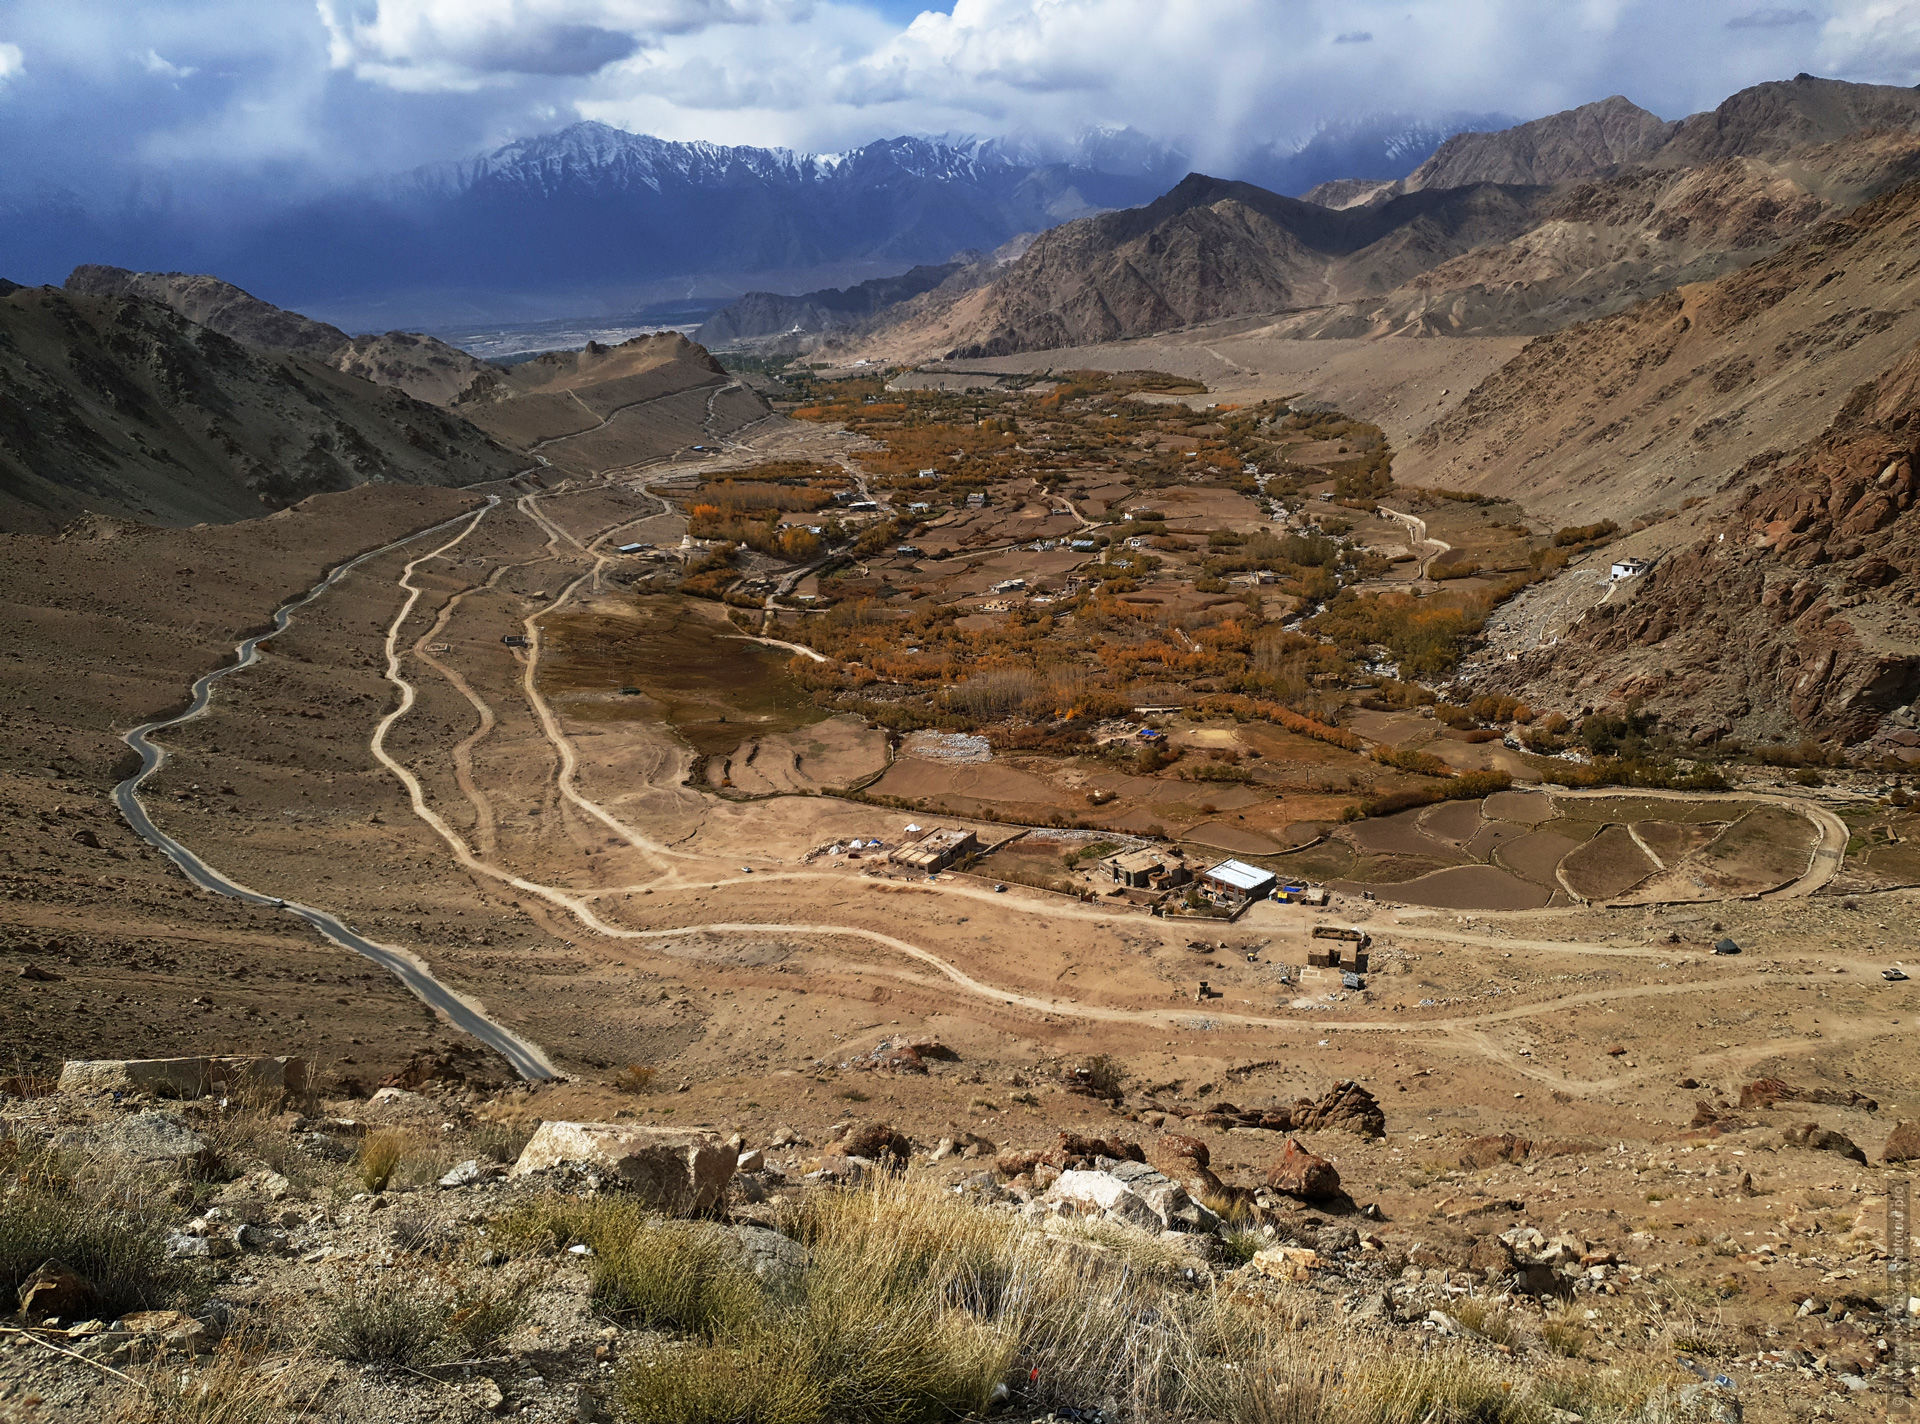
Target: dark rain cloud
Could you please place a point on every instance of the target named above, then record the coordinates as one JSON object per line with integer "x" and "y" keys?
{"x": 1772, "y": 19}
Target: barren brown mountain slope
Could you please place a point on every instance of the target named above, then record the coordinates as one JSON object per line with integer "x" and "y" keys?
{"x": 210, "y": 302}
{"x": 1795, "y": 614}
{"x": 1578, "y": 143}
{"x": 608, "y": 406}
{"x": 1208, "y": 249}
{"x": 1603, "y": 244}
{"x": 1594, "y": 140}
{"x": 1673, "y": 398}
{"x": 1569, "y": 217}
{"x": 425, "y": 367}
{"x": 107, "y": 624}
{"x": 118, "y": 405}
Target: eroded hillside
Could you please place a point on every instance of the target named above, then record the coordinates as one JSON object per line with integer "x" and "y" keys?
{"x": 1794, "y": 613}
{"x": 1671, "y": 399}
{"x": 120, "y": 406}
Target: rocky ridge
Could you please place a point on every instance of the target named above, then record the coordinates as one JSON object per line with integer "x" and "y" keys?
{"x": 425, "y": 367}
{"x": 1524, "y": 230}
{"x": 121, "y": 406}
{"x": 1798, "y": 614}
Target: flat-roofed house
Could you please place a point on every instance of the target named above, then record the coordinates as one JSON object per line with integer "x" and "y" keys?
{"x": 937, "y": 849}
{"x": 1234, "y": 882}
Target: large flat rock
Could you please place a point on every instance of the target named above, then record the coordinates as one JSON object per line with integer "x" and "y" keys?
{"x": 679, "y": 1169}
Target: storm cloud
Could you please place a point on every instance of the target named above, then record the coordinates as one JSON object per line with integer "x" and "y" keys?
{"x": 179, "y": 95}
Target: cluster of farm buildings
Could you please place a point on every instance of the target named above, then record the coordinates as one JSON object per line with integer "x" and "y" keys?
{"x": 1231, "y": 884}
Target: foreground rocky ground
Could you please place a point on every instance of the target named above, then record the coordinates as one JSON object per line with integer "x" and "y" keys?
{"x": 200, "y": 1240}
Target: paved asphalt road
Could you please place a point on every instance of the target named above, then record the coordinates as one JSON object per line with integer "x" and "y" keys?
{"x": 527, "y": 1059}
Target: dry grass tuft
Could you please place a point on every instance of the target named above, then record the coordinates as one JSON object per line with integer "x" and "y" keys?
{"x": 421, "y": 1314}
{"x": 93, "y": 1216}
{"x": 379, "y": 1157}
{"x": 1484, "y": 1319}
{"x": 234, "y": 1385}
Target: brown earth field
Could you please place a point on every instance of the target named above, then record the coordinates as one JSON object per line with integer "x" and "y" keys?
{"x": 555, "y": 867}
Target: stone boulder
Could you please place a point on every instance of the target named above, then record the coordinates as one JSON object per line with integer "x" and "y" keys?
{"x": 1089, "y": 1193}
{"x": 270, "y": 1079}
{"x": 55, "y": 1289}
{"x": 1167, "y": 1199}
{"x": 1823, "y": 1139}
{"x": 147, "y": 1139}
{"x": 774, "y": 1259}
{"x": 878, "y": 1143}
{"x": 1303, "y": 1174}
{"x": 1347, "y": 1106}
{"x": 1903, "y": 1144}
{"x": 1189, "y": 1162}
{"x": 678, "y": 1169}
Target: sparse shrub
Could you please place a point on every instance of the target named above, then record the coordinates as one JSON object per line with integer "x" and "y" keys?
{"x": 1487, "y": 1321}
{"x": 116, "y": 1244}
{"x": 635, "y": 1078}
{"x": 379, "y": 1156}
{"x": 420, "y": 1315}
{"x": 659, "y": 1273}
{"x": 1099, "y": 1076}
{"x": 854, "y": 1095}
{"x": 410, "y": 1230}
{"x": 1257, "y": 1393}
{"x": 1442, "y": 1387}
{"x": 499, "y": 1141}
{"x": 1243, "y": 1246}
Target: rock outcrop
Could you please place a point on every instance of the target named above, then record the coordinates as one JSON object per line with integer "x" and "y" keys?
{"x": 1132, "y": 1194}
{"x": 674, "y": 1168}
{"x": 1771, "y": 1092}
{"x": 251, "y": 1077}
{"x": 1816, "y": 1138}
{"x": 1303, "y": 1174}
{"x": 1346, "y": 1106}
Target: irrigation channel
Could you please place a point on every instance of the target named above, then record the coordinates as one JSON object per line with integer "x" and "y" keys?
{"x": 527, "y": 1059}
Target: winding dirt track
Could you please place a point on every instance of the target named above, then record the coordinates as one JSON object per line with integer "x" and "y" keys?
{"x": 674, "y": 865}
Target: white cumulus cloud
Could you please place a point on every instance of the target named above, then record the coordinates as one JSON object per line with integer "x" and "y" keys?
{"x": 12, "y": 61}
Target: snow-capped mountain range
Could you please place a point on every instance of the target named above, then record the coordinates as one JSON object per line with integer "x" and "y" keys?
{"x": 593, "y": 218}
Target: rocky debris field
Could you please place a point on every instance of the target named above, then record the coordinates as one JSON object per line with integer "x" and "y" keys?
{"x": 204, "y": 1239}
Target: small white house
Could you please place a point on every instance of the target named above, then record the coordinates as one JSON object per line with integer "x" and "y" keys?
{"x": 1629, "y": 568}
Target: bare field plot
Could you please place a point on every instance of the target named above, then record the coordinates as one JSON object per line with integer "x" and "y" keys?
{"x": 1464, "y": 887}
{"x": 685, "y": 668}
{"x": 1455, "y": 822}
{"x": 1399, "y": 835}
{"x": 1536, "y": 856}
{"x": 1673, "y": 841}
{"x": 823, "y": 757}
{"x": 1767, "y": 846}
{"x": 1607, "y": 866}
